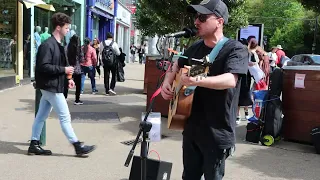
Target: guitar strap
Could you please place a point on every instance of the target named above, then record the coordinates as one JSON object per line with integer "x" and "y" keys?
{"x": 212, "y": 56}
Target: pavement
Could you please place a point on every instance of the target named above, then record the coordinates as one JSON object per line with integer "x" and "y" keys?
{"x": 106, "y": 121}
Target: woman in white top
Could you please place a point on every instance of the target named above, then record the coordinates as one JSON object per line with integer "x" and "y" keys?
{"x": 273, "y": 58}
{"x": 245, "y": 99}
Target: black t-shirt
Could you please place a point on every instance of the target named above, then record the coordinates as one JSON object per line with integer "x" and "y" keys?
{"x": 213, "y": 116}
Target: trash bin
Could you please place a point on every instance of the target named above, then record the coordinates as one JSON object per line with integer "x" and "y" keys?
{"x": 301, "y": 97}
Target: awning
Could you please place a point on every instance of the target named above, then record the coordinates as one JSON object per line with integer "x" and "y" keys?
{"x": 48, "y": 7}
{"x": 38, "y": 3}
{"x": 101, "y": 13}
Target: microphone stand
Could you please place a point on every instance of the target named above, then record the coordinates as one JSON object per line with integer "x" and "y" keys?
{"x": 144, "y": 129}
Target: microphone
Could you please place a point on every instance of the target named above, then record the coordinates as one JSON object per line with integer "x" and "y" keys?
{"x": 186, "y": 32}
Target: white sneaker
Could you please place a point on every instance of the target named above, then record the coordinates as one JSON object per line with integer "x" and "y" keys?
{"x": 238, "y": 121}
{"x": 111, "y": 92}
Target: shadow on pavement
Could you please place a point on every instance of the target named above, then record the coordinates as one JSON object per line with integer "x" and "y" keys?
{"x": 120, "y": 89}
{"x": 128, "y": 107}
{"x": 101, "y": 106}
{"x": 281, "y": 160}
{"x": 11, "y": 148}
{"x": 282, "y": 144}
{"x": 133, "y": 128}
{"x": 141, "y": 80}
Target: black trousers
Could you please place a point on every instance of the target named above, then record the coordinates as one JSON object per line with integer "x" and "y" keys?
{"x": 98, "y": 71}
{"x": 106, "y": 72}
{"x": 77, "y": 81}
{"x": 201, "y": 159}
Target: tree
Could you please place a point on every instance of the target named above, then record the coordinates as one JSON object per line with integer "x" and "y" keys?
{"x": 167, "y": 16}
{"x": 283, "y": 20}
{"x": 311, "y": 4}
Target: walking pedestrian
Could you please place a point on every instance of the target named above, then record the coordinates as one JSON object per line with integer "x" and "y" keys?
{"x": 88, "y": 65}
{"x": 52, "y": 68}
{"x": 109, "y": 50}
{"x": 75, "y": 57}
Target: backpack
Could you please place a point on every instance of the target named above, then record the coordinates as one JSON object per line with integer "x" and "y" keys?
{"x": 108, "y": 55}
{"x": 276, "y": 82}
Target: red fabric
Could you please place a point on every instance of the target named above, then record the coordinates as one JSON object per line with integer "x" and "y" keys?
{"x": 90, "y": 58}
{"x": 257, "y": 110}
{"x": 280, "y": 53}
{"x": 262, "y": 85}
{"x": 155, "y": 94}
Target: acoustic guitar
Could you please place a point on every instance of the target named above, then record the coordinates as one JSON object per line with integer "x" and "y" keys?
{"x": 180, "y": 105}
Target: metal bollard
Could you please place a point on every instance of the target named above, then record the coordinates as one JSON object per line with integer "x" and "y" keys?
{"x": 37, "y": 102}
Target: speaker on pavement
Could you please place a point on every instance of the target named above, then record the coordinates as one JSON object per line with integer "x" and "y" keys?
{"x": 156, "y": 170}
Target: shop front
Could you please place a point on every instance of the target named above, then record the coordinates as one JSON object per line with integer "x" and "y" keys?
{"x": 100, "y": 18}
{"x": 11, "y": 43}
{"x": 41, "y": 28}
{"x": 123, "y": 21}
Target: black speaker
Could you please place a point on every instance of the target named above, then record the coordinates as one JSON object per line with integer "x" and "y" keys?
{"x": 156, "y": 170}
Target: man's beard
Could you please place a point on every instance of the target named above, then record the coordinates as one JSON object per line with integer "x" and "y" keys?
{"x": 209, "y": 35}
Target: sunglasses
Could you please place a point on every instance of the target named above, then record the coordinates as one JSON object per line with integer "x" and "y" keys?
{"x": 202, "y": 17}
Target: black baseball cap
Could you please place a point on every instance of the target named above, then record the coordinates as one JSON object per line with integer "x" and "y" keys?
{"x": 216, "y": 7}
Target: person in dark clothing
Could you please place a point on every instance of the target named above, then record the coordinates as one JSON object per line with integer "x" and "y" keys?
{"x": 109, "y": 87}
{"x": 141, "y": 52}
{"x": 75, "y": 57}
{"x": 121, "y": 64}
{"x": 209, "y": 133}
{"x": 122, "y": 57}
{"x": 52, "y": 70}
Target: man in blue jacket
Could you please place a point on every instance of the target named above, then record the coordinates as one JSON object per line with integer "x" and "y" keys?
{"x": 52, "y": 70}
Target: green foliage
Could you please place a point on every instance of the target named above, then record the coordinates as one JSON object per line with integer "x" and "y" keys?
{"x": 167, "y": 16}
{"x": 287, "y": 22}
{"x": 311, "y": 4}
{"x": 162, "y": 16}
{"x": 238, "y": 16}
{"x": 283, "y": 20}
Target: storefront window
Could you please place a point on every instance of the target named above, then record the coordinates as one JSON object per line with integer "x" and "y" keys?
{"x": 8, "y": 38}
{"x": 43, "y": 24}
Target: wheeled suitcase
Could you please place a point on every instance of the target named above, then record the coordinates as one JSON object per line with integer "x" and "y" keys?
{"x": 272, "y": 116}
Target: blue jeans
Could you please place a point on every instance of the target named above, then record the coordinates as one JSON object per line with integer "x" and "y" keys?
{"x": 59, "y": 104}
{"x": 91, "y": 73}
